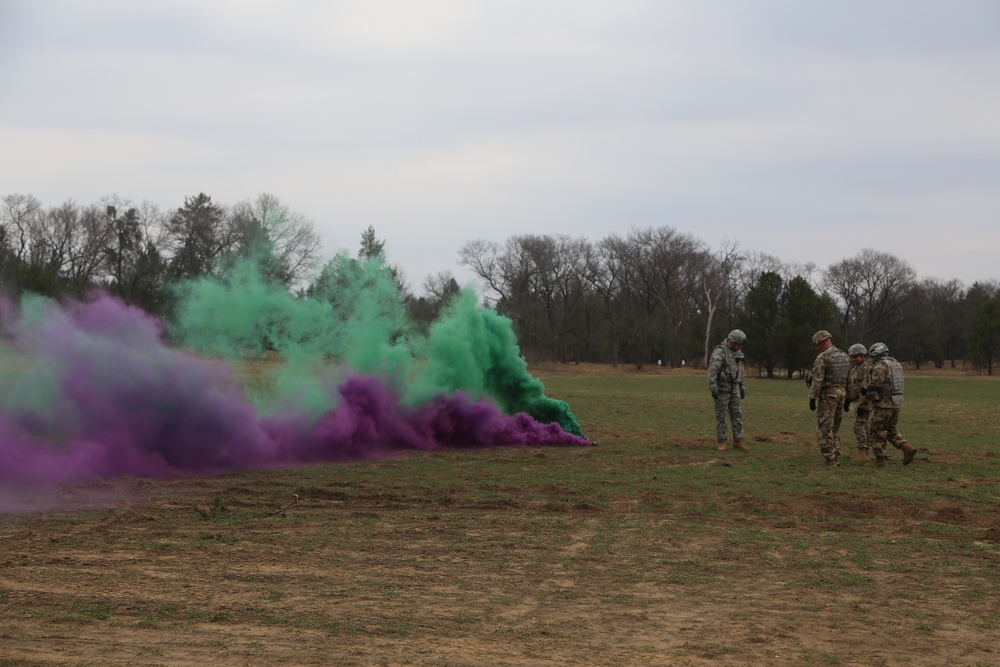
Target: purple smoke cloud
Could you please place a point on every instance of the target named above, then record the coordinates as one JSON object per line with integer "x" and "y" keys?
{"x": 104, "y": 397}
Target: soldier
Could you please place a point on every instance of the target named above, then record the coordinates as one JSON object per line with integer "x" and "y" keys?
{"x": 725, "y": 381}
{"x": 827, "y": 393}
{"x": 857, "y": 380}
{"x": 885, "y": 392}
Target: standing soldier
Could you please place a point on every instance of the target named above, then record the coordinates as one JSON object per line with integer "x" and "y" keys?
{"x": 827, "y": 393}
{"x": 885, "y": 391}
{"x": 725, "y": 381}
{"x": 857, "y": 380}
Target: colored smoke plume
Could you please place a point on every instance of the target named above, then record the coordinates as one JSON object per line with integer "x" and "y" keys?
{"x": 91, "y": 390}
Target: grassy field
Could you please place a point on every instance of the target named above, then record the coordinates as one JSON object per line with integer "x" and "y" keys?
{"x": 650, "y": 549}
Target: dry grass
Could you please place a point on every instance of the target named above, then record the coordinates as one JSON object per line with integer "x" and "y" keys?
{"x": 650, "y": 549}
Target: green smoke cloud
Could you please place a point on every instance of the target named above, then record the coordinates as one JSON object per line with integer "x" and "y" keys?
{"x": 353, "y": 320}
{"x": 473, "y": 349}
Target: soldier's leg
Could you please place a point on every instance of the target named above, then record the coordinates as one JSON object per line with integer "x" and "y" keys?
{"x": 736, "y": 415}
{"x": 896, "y": 438}
{"x": 838, "y": 417}
{"x": 861, "y": 433}
{"x": 824, "y": 428}
{"x": 861, "y": 428}
{"x": 721, "y": 410}
{"x": 736, "y": 419}
{"x": 892, "y": 433}
{"x": 877, "y": 432}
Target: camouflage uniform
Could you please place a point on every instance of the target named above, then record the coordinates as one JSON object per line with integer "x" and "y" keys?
{"x": 857, "y": 380}
{"x": 886, "y": 400}
{"x": 725, "y": 381}
{"x": 829, "y": 388}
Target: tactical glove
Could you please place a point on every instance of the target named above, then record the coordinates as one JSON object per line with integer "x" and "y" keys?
{"x": 812, "y": 404}
{"x": 872, "y": 395}
{"x": 715, "y": 393}
{"x": 847, "y": 405}
{"x": 743, "y": 392}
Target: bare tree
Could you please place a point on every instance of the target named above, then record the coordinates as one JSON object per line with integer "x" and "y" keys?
{"x": 536, "y": 280}
{"x": 506, "y": 272}
{"x": 659, "y": 280}
{"x": 54, "y": 251}
{"x": 602, "y": 270}
{"x": 19, "y": 217}
{"x": 482, "y": 257}
{"x": 754, "y": 264}
{"x": 441, "y": 286}
{"x": 572, "y": 293}
{"x": 873, "y": 289}
{"x": 284, "y": 243}
{"x": 718, "y": 272}
{"x": 636, "y": 291}
{"x": 439, "y": 290}
{"x": 80, "y": 238}
{"x": 556, "y": 288}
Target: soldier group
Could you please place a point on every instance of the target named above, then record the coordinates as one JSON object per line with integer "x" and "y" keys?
{"x": 869, "y": 379}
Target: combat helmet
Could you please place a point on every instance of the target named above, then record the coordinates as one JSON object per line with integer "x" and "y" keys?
{"x": 857, "y": 349}
{"x": 821, "y": 336}
{"x": 736, "y": 336}
{"x": 878, "y": 349}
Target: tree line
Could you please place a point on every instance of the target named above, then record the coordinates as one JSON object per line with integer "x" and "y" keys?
{"x": 140, "y": 254}
{"x": 657, "y": 295}
{"x": 652, "y": 295}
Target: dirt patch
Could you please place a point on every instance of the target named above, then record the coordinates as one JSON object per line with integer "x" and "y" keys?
{"x": 377, "y": 573}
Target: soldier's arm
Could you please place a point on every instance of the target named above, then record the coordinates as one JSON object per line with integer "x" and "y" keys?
{"x": 714, "y": 364}
{"x": 819, "y": 372}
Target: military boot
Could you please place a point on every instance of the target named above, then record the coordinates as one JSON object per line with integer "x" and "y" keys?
{"x": 832, "y": 461}
{"x": 880, "y": 460}
{"x": 863, "y": 455}
{"x": 723, "y": 446}
{"x": 738, "y": 444}
{"x": 908, "y": 454}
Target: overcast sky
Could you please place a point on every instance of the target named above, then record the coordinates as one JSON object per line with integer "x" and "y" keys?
{"x": 807, "y": 130}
